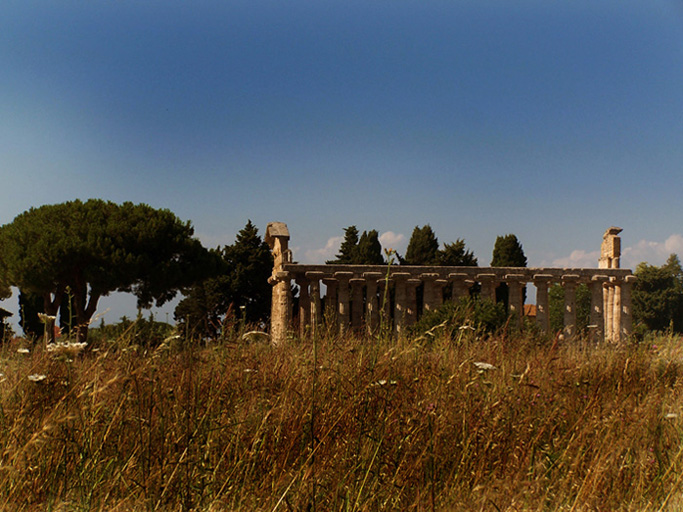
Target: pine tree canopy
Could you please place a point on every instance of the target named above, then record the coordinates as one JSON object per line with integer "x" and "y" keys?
{"x": 508, "y": 252}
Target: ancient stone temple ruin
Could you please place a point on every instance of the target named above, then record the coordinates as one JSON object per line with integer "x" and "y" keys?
{"x": 354, "y": 294}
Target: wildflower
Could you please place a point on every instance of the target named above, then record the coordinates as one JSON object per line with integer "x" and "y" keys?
{"x": 66, "y": 348}
{"x": 36, "y": 377}
{"x": 23, "y": 350}
{"x": 482, "y": 367}
{"x": 46, "y": 318}
{"x": 466, "y": 328}
{"x": 671, "y": 416}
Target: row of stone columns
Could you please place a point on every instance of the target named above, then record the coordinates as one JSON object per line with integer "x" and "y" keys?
{"x": 354, "y": 302}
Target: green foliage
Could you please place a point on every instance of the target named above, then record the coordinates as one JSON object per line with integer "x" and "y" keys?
{"x": 98, "y": 247}
{"x": 30, "y": 304}
{"x": 455, "y": 255}
{"x": 239, "y": 292}
{"x": 482, "y": 316}
{"x": 364, "y": 251}
{"x": 658, "y": 296}
{"x": 146, "y": 332}
{"x": 369, "y": 249}
{"x": 556, "y": 308}
{"x": 508, "y": 252}
{"x": 423, "y": 247}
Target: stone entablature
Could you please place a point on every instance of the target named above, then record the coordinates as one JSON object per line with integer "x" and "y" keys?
{"x": 355, "y": 292}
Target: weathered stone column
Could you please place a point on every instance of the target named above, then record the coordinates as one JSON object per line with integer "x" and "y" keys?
{"x": 401, "y": 300}
{"x": 371, "y": 300}
{"x": 343, "y": 297}
{"x": 314, "y": 292}
{"x": 542, "y": 282}
{"x": 357, "y": 303}
{"x": 330, "y": 313}
{"x": 515, "y": 295}
{"x": 608, "y": 295}
{"x": 569, "y": 281}
{"x": 384, "y": 297}
{"x": 410, "y": 316}
{"x": 597, "y": 313}
{"x": 461, "y": 285}
{"x": 433, "y": 290}
{"x": 304, "y": 305}
{"x": 626, "y": 305}
{"x": 488, "y": 286}
{"x": 616, "y": 310}
{"x": 277, "y": 237}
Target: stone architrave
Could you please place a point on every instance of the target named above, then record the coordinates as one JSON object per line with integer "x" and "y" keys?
{"x": 343, "y": 299}
{"x": 304, "y": 305}
{"x": 570, "y": 281}
{"x": 371, "y": 300}
{"x": 401, "y": 300}
{"x": 542, "y": 282}
{"x": 597, "y": 319}
{"x": 314, "y": 292}
{"x": 488, "y": 286}
{"x": 357, "y": 303}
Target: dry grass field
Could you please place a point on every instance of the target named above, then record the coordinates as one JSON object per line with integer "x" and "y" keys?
{"x": 506, "y": 423}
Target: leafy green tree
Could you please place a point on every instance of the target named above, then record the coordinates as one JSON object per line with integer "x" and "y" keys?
{"x": 455, "y": 255}
{"x": 658, "y": 296}
{"x": 239, "y": 291}
{"x": 369, "y": 249}
{"x": 507, "y": 252}
{"x": 423, "y": 247}
{"x": 30, "y": 304}
{"x": 97, "y": 247}
{"x": 347, "y": 251}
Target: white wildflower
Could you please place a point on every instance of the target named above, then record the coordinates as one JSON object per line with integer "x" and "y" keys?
{"x": 36, "y": 377}
{"x": 466, "y": 328}
{"x": 23, "y": 350}
{"x": 66, "y": 348}
{"x": 482, "y": 367}
{"x": 46, "y": 318}
{"x": 671, "y": 416}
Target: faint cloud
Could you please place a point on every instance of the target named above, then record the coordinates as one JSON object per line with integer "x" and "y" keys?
{"x": 654, "y": 253}
{"x": 578, "y": 259}
{"x": 326, "y": 253}
{"x": 391, "y": 240}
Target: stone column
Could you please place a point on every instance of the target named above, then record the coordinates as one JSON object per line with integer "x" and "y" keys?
{"x": 433, "y": 290}
{"x": 608, "y": 295}
{"x": 616, "y": 310}
{"x": 461, "y": 286}
{"x": 357, "y": 303}
{"x": 515, "y": 295}
{"x": 330, "y": 312}
{"x": 277, "y": 238}
{"x": 401, "y": 300}
{"x": 314, "y": 292}
{"x": 570, "y": 282}
{"x": 281, "y": 309}
{"x": 371, "y": 300}
{"x": 410, "y": 316}
{"x": 597, "y": 312}
{"x": 542, "y": 282}
{"x": 304, "y": 305}
{"x": 384, "y": 297}
{"x": 488, "y": 286}
{"x": 343, "y": 298}
{"x": 626, "y": 305}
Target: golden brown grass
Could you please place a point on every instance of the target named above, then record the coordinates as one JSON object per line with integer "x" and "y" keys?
{"x": 345, "y": 425}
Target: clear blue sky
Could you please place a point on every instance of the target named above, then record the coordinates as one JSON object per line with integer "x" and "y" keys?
{"x": 549, "y": 120}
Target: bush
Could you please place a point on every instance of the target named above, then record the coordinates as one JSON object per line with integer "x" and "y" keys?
{"x": 483, "y": 316}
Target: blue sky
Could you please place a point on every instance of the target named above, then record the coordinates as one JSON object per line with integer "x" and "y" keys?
{"x": 549, "y": 120}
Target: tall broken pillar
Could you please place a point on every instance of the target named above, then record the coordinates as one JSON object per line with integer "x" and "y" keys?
{"x": 277, "y": 238}
{"x": 610, "y": 255}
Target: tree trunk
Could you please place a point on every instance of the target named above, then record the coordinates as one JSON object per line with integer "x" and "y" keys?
{"x": 51, "y": 307}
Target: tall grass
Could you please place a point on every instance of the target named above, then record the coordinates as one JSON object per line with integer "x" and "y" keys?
{"x": 347, "y": 424}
